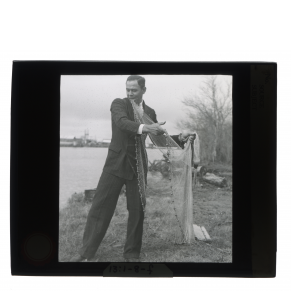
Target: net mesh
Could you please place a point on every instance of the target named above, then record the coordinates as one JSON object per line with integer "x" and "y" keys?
{"x": 176, "y": 183}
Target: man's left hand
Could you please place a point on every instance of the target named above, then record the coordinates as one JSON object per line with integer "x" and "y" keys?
{"x": 191, "y": 138}
{"x": 187, "y": 134}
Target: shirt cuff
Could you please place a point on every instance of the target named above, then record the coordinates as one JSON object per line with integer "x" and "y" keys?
{"x": 140, "y": 129}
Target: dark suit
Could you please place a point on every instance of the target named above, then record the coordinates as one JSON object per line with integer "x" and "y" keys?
{"x": 119, "y": 169}
{"x": 121, "y": 155}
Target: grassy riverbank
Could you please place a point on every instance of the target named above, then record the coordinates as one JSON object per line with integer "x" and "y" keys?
{"x": 212, "y": 208}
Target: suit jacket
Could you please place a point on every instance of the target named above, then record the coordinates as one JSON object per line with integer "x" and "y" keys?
{"x": 121, "y": 158}
{"x": 121, "y": 161}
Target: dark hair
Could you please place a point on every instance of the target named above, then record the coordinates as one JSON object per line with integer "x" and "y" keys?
{"x": 140, "y": 80}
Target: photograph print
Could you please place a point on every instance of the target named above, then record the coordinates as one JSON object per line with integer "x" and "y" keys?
{"x": 145, "y": 168}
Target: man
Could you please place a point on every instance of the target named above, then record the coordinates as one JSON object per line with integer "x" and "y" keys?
{"x": 121, "y": 169}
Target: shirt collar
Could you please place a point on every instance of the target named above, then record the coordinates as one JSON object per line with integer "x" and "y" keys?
{"x": 140, "y": 104}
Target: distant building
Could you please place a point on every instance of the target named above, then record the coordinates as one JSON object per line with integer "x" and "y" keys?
{"x": 106, "y": 142}
{"x": 78, "y": 142}
{"x": 66, "y": 143}
{"x": 71, "y": 142}
{"x": 82, "y": 141}
{"x": 92, "y": 143}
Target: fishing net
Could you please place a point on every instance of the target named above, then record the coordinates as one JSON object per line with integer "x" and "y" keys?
{"x": 173, "y": 218}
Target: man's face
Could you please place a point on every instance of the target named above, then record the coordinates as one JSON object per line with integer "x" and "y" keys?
{"x": 134, "y": 91}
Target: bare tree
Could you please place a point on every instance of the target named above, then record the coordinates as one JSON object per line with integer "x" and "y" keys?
{"x": 210, "y": 112}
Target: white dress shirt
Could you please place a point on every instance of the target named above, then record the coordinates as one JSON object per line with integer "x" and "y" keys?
{"x": 140, "y": 109}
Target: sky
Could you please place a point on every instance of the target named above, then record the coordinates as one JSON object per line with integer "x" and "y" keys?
{"x": 86, "y": 100}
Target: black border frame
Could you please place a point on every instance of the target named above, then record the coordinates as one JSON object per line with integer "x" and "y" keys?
{"x": 35, "y": 114}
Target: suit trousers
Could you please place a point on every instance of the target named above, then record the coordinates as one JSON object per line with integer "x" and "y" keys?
{"x": 102, "y": 210}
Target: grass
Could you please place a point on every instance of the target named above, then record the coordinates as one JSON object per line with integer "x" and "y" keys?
{"x": 212, "y": 208}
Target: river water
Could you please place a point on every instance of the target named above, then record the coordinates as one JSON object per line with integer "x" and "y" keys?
{"x": 81, "y": 168}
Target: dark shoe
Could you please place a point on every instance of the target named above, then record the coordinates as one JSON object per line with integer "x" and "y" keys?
{"x": 132, "y": 260}
{"x": 77, "y": 258}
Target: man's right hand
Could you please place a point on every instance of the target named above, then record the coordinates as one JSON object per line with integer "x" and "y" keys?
{"x": 154, "y": 128}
